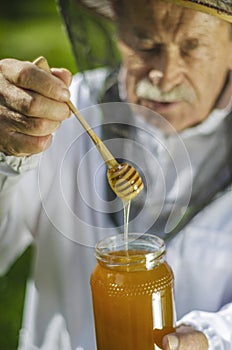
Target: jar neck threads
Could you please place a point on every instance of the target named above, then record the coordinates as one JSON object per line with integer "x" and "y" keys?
{"x": 139, "y": 253}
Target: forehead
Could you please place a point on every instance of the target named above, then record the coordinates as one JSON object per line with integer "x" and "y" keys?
{"x": 144, "y": 19}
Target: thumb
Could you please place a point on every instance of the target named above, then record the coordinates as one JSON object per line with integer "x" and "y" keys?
{"x": 63, "y": 74}
{"x": 170, "y": 342}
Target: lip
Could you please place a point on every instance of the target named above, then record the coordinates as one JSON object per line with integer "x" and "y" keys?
{"x": 160, "y": 106}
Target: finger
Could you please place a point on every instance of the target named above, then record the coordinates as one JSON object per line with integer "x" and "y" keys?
{"x": 20, "y": 135}
{"x": 32, "y": 104}
{"x": 27, "y": 145}
{"x": 35, "y": 105}
{"x": 36, "y": 126}
{"x": 185, "y": 338}
{"x": 30, "y": 126}
{"x": 170, "y": 342}
{"x": 189, "y": 336}
{"x": 19, "y": 145}
{"x": 27, "y": 75}
{"x": 63, "y": 74}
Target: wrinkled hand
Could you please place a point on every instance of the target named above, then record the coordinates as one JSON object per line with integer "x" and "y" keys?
{"x": 185, "y": 338}
{"x": 32, "y": 106}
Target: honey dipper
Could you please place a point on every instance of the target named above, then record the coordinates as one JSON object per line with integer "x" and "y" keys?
{"x": 123, "y": 178}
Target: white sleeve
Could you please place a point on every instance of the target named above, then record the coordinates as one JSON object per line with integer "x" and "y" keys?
{"x": 14, "y": 234}
{"x": 11, "y": 165}
{"x": 216, "y": 326}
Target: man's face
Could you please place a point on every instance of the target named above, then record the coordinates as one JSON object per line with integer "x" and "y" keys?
{"x": 176, "y": 59}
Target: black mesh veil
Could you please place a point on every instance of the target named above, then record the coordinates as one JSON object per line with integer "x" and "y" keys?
{"x": 92, "y": 36}
{"x": 91, "y": 29}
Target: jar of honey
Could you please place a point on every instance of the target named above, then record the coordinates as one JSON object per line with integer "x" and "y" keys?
{"x": 132, "y": 293}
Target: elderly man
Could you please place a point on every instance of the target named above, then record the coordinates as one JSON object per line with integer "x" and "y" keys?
{"x": 176, "y": 61}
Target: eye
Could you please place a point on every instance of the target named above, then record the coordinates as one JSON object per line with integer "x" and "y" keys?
{"x": 189, "y": 45}
{"x": 154, "y": 49}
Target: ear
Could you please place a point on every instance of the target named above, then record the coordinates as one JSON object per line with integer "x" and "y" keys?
{"x": 230, "y": 59}
{"x": 230, "y": 48}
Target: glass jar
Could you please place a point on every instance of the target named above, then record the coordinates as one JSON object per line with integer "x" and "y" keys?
{"x": 132, "y": 293}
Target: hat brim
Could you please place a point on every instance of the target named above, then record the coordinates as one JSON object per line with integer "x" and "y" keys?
{"x": 218, "y": 8}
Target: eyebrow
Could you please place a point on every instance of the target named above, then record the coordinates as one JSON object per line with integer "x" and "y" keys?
{"x": 145, "y": 36}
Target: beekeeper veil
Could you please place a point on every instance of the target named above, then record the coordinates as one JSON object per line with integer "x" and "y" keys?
{"x": 87, "y": 20}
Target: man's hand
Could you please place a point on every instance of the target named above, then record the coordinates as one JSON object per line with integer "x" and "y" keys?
{"x": 32, "y": 106}
{"x": 185, "y": 338}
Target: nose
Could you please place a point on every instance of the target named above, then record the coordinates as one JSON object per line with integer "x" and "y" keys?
{"x": 170, "y": 72}
{"x": 155, "y": 76}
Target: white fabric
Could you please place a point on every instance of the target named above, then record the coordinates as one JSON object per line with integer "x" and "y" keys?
{"x": 10, "y": 165}
{"x": 51, "y": 203}
{"x": 56, "y": 336}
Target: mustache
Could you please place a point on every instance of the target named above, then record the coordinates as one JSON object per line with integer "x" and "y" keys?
{"x": 145, "y": 89}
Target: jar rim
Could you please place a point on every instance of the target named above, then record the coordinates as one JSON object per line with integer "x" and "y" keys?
{"x": 150, "y": 247}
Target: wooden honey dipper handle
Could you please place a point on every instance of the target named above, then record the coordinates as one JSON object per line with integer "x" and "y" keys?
{"x": 108, "y": 158}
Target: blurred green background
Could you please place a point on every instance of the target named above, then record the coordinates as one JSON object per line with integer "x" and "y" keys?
{"x": 28, "y": 28}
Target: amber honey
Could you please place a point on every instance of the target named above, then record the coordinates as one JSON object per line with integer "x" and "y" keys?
{"x": 132, "y": 293}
